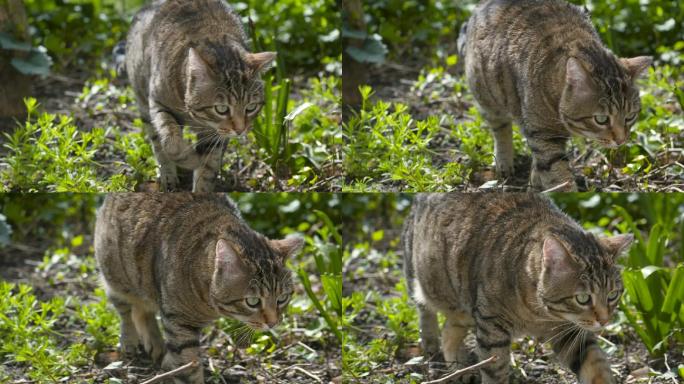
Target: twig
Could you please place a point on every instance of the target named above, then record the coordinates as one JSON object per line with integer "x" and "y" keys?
{"x": 460, "y": 372}
{"x": 304, "y": 371}
{"x": 557, "y": 187}
{"x": 171, "y": 373}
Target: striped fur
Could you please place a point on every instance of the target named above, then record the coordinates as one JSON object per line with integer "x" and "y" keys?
{"x": 541, "y": 64}
{"x": 191, "y": 259}
{"x": 189, "y": 65}
{"x": 507, "y": 265}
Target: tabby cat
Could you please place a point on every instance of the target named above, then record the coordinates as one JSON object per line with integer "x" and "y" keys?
{"x": 508, "y": 265}
{"x": 191, "y": 258}
{"x": 189, "y": 65}
{"x": 542, "y": 64}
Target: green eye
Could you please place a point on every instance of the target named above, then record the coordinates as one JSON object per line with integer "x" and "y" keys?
{"x": 221, "y": 109}
{"x": 583, "y": 298}
{"x": 253, "y": 301}
{"x": 601, "y": 119}
{"x": 282, "y": 299}
{"x": 613, "y": 295}
{"x": 252, "y": 108}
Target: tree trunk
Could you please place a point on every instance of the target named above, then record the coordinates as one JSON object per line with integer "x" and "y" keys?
{"x": 354, "y": 73}
{"x": 14, "y": 86}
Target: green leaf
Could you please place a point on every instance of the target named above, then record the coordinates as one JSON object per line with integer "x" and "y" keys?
{"x": 10, "y": 43}
{"x": 372, "y": 51}
{"x": 675, "y": 291}
{"x": 5, "y": 231}
{"x": 37, "y": 63}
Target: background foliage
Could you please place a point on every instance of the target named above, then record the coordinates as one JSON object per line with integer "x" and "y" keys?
{"x": 79, "y": 33}
{"x": 628, "y": 27}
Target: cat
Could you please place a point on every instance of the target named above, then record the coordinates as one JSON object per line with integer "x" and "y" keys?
{"x": 541, "y": 64}
{"x": 507, "y": 265}
{"x": 191, "y": 258}
{"x": 189, "y": 65}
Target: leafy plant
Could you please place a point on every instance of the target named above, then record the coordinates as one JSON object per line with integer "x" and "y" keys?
{"x": 32, "y": 61}
{"x": 328, "y": 258}
{"x": 654, "y": 304}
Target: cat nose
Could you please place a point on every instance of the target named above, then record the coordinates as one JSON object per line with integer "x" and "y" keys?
{"x": 239, "y": 125}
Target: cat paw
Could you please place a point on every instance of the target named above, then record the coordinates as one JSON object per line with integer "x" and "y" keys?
{"x": 203, "y": 187}
{"x": 168, "y": 182}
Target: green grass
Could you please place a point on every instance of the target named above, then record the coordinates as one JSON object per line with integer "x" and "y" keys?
{"x": 297, "y": 141}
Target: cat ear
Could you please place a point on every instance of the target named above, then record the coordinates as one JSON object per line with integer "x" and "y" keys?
{"x": 556, "y": 257}
{"x": 198, "y": 70}
{"x": 261, "y": 62}
{"x": 576, "y": 76}
{"x": 288, "y": 246}
{"x": 227, "y": 258}
{"x": 636, "y": 66}
{"x": 618, "y": 244}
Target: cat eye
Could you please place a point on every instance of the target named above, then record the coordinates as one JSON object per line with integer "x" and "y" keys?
{"x": 282, "y": 299}
{"x": 251, "y": 108}
{"x": 583, "y": 298}
{"x": 253, "y": 301}
{"x": 601, "y": 119}
{"x": 613, "y": 295}
{"x": 631, "y": 117}
{"x": 221, "y": 109}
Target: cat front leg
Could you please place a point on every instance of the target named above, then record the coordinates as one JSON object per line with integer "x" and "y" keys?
{"x": 182, "y": 347}
{"x": 168, "y": 174}
{"x": 550, "y": 164}
{"x": 492, "y": 340}
{"x": 173, "y": 146}
{"x": 204, "y": 177}
{"x": 585, "y": 359}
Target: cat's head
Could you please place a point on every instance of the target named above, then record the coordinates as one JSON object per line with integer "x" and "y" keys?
{"x": 224, "y": 90}
{"x": 250, "y": 282}
{"x": 580, "y": 281}
{"x": 601, "y": 102}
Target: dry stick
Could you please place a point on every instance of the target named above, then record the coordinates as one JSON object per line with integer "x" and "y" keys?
{"x": 557, "y": 187}
{"x": 172, "y": 373}
{"x": 304, "y": 371}
{"x": 461, "y": 371}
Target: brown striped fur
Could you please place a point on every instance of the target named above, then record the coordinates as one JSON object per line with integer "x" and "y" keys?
{"x": 541, "y": 64}
{"x": 189, "y": 65}
{"x": 508, "y": 265}
{"x": 190, "y": 258}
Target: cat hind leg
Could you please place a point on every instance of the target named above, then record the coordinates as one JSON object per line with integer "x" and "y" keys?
{"x": 129, "y": 338}
{"x": 146, "y": 325}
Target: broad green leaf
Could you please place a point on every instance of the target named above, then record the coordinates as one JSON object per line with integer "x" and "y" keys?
{"x": 675, "y": 291}
{"x": 10, "y": 43}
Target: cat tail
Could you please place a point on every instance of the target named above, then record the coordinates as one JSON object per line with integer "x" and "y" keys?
{"x": 119, "y": 54}
{"x": 461, "y": 42}
{"x": 407, "y": 247}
